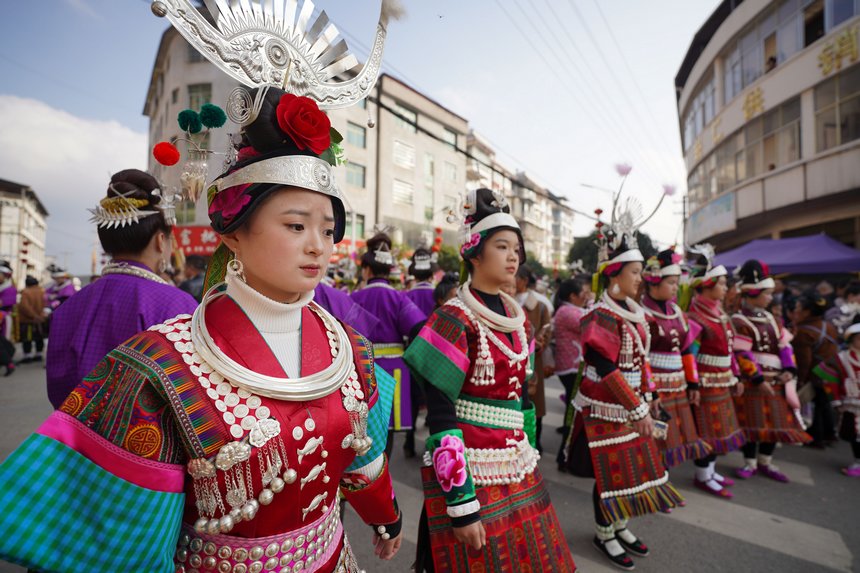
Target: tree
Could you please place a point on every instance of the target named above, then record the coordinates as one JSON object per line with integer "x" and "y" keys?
{"x": 449, "y": 259}
{"x": 585, "y": 249}
{"x": 534, "y": 264}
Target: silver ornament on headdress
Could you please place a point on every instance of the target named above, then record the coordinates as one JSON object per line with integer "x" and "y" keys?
{"x": 274, "y": 43}
{"x": 625, "y": 220}
{"x": 119, "y": 211}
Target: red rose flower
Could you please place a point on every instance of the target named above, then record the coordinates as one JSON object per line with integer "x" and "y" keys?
{"x": 301, "y": 119}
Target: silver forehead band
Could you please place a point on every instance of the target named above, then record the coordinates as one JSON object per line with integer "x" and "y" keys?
{"x": 301, "y": 171}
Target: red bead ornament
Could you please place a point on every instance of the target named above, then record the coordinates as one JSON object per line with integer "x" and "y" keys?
{"x": 166, "y": 153}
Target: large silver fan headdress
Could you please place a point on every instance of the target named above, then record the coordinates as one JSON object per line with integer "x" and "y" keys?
{"x": 273, "y": 43}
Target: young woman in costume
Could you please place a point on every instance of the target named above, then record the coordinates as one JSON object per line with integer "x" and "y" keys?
{"x": 716, "y": 419}
{"x": 485, "y": 504}
{"x": 221, "y": 441}
{"x": 841, "y": 375}
{"x": 130, "y": 295}
{"x": 399, "y": 321}
{"x": 611, "y": 437}
{"x": 673, "y": 365}
{"x": 422, "y": 267}
{"x": 768, "y": 411}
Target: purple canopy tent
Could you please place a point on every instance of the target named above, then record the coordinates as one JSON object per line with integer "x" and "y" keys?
{"x": 810, "y": 255}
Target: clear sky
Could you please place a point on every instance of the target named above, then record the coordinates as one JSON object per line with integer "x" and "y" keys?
{"x": 565, "y": 89}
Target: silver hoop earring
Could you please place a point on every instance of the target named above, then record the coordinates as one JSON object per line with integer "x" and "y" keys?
{"x": 236, "y": 269}
{"x": 162, "y": 266}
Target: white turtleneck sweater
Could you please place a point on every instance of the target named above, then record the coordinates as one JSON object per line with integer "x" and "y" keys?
{"x": 280, "y": 324}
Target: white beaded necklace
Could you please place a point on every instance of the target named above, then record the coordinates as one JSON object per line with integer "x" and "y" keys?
{"x": 300, "y": 389}
{"x": 485, "y": 321}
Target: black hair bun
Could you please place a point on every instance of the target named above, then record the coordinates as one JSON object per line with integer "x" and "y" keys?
{"x": 134, "y": 184}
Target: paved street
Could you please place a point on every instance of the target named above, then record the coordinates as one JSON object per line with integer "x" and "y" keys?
{"x": 807, "y": 526}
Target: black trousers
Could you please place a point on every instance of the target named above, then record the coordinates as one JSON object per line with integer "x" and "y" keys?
{"x": 764, "y": 448}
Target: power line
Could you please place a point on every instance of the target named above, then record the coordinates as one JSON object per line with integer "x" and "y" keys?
{"x": 629, "y": 70}
{"x": 601, "y": 111}
{"x": 612, "y": 73}
{"x": 616, "y": 109}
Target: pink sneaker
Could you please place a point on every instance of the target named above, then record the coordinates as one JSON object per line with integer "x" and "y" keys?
{"x": 773, "y": 473}
{"x": 852, "y": 471}
{"x": 745, "y": 472}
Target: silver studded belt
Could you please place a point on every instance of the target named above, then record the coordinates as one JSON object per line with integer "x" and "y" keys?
{"x": 304, "y": 549}
{"x": 715, "y": 361}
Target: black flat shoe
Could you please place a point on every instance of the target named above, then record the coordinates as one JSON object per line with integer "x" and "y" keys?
{"x": 637, "y": 548}
{"x": 622, "y": 561}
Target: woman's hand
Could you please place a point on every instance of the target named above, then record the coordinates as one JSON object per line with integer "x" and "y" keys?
{"x": 386, "y": 548}
{"x": 473, "y": 535}
{"x": 644, "y": 427}
{"x": 695, "y": 397}
{"x": 738, "y": 390}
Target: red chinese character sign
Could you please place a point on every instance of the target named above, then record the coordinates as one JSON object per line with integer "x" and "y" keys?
{"x": 196, "y": 240}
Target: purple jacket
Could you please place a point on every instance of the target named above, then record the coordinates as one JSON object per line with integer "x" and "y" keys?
{"x": 396, "y": 313}
{"x": 99, "y": 318}
{"x": 339, "y": 304}
{"x": 422, "y": 296}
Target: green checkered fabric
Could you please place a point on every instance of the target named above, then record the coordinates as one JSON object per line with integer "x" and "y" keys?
{"x": 60, "y": 512}
{"x": 377, "y": 420}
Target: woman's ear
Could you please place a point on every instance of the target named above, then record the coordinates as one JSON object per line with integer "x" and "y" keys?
{"x": 232, "y": 242}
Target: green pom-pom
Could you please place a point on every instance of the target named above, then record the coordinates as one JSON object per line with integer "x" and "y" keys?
{"x": 189, "y": 121}
{"x": 212, "y": 116}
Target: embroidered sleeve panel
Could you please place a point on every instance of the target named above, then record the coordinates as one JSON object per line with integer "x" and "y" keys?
{"x": 123, "y": 401}
{"x": 448, "y": 455}
{"x": 363, "y": 357}
{"x": 601, "y": 330}
{"x": 439, "y": 355}
{"x": 626, "y": 396}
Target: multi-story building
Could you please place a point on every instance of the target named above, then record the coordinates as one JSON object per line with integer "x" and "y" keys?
{"x": 769, "y": 111}
{"x": 23, "y": 228}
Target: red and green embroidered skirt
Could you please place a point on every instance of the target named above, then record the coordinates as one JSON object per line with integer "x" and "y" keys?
{"x": 629, "y": 471}
{"x": 523, "y": 533}
{"x": 682, "y": 439}
{"x": 767, "y": 418}
{"x": 717, "y": 421}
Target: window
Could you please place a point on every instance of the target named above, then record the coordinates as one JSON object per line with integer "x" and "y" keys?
{"x": 174, "y": 96}
{"x": 838, "y": 11}
{"x": 428, "y": 203}
{"x": 700, "y": 112}
{"x": 450, "y": 137}
{"x": 355, "y": 175}
{"x": 450, "y": 172}
{"x": 837, "y": 109}
{"x": 356, "y": 135}
{"x": 403, "y": 192}
{"x": 198, "y": 94}
{"x": 429, "y": 170}
{"x": 406, "y": 118}
{"x": 766, "y": 143}
{"x": 404, "y": 155}
{"x": 194, "y": 55}
{"x": 813, "y": 22}
{"x": 359, "y": 225}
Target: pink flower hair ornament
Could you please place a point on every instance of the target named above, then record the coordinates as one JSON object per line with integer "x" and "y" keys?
{"x": 449, "y": 461}
{"x": 230, "y": 202}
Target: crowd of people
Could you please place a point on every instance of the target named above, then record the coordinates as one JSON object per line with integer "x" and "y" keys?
{"x": 223, "y": 425}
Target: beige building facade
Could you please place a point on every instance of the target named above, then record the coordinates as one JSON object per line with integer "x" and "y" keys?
{"x": 769, "y": 112}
